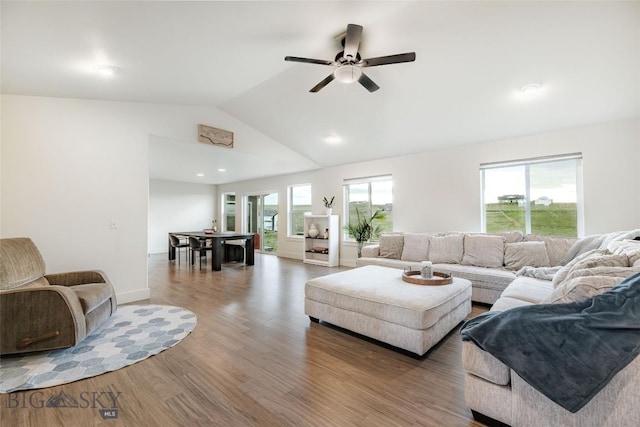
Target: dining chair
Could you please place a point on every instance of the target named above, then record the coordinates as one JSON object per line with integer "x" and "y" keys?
{"x": 178, "y": 245}
{"x": 196, "y": 246}
{"x": 234, "y": 250}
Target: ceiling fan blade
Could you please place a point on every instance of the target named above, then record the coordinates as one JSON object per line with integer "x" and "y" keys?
{"x": 323, "y": 83}
{"x": 352, "y": 41}
{"x": 368, "y": 83}
{"x": 391, "y": 59}
{"x": 308, "y": 60}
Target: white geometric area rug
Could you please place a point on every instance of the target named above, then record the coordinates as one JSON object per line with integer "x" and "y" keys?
{"x": 132, "y": 334}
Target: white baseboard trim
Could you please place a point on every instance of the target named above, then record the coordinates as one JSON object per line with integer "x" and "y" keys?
{"x": 131, "y": 296}
{"x": 291, "y": 255}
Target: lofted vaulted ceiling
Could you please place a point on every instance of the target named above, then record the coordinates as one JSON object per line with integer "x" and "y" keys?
{"x": 463, "y": 88}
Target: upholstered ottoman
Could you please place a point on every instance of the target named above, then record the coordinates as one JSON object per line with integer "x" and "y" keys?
{"x": 374, "y": 301}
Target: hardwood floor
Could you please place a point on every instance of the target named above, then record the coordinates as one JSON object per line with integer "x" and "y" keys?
{"x": 255, "y": 359}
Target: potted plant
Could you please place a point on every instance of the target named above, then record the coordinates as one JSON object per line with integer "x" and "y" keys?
{"x": 363, "y": 229}
{"x": 328, "y": 204}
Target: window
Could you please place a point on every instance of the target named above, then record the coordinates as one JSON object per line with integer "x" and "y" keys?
{"x": 538, "y": 196}
{"x": 299, "y": 205}
{"x": 229, "y": 212}
{"x": 365, "y": 196}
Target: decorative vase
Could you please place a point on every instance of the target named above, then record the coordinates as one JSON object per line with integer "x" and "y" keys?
{"x": 328, "y": 211}
{"x": 313, "y": 231}
{"x": 326, "y": 233}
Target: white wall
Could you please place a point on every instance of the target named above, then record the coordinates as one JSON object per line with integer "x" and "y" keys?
{"x": 178, "y": 206}
{"x": 70, "y": 166}
{"x": 440, "y": 190}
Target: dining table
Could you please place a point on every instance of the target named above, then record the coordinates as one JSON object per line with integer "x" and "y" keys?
{"x": 217, "y": 240}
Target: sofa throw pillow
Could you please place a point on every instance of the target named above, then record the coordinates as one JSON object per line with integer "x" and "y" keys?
{"x": 416, "y": 247}
{"x": 391, "y": 246}
{"x": 532, "y": 254}
{"x": 483, "y": 250}
{"x": 557, "y": 247}
{"x": 446, "y": 249}
{"x": 581, "y": 288}
{"x": 510, "y": 236}
{"x": 564, "y": 271}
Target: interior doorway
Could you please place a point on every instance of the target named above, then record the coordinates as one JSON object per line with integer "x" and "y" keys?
{"x": 262, "y": 218}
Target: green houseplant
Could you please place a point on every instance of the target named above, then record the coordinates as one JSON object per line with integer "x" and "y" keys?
{"x": 363, "y": 229}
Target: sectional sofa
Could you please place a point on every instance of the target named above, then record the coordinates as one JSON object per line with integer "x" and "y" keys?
{"x": 489, "y": 261}
{"x": 494, "y": 390}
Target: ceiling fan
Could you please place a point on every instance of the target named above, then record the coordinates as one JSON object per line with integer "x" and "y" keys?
{"x": 349, "y": 62}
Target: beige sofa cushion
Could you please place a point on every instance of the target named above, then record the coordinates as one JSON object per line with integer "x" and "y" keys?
{"x": 391, "y": 245}
{"x": 506, "y": 303}
{"x": 416, "y": 247}
{"x": 518, "y": 255}
{"x": 496, "y": 279}
{"x": 510, "y": 236}
{"x": 581, "y": 288}
{"x": 446, "y": 249}
{"x": 528, "y": 289}
{"x": 370, "y": 251}
{"x": 557, "y": 247}
{"x": 388, "y": 262}
{"x": 483, "y": 250}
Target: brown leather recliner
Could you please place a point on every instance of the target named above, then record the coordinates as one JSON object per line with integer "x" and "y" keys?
{"x": 41, "y": 311}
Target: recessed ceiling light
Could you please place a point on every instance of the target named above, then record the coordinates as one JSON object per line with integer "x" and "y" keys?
{"x": 200, "y": 174}
{"x": 531, "y": 88}
{"x": 332, "y": 139}
{"x": 107, "y": 70}
{"x": 222, "y": 170}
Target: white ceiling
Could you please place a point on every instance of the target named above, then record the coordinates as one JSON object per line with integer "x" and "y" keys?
{"x": 463, "y": 87}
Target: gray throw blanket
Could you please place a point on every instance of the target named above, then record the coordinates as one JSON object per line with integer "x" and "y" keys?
{"x": 568, "y": 352}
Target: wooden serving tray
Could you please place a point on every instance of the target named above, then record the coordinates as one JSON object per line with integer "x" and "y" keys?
{"x": 414, "y": 277}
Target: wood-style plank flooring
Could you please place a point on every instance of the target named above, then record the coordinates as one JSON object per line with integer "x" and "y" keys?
{"x": 255, "y": 359}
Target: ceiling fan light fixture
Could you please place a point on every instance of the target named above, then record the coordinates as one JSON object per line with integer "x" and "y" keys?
{"x": 348, "y": 74}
